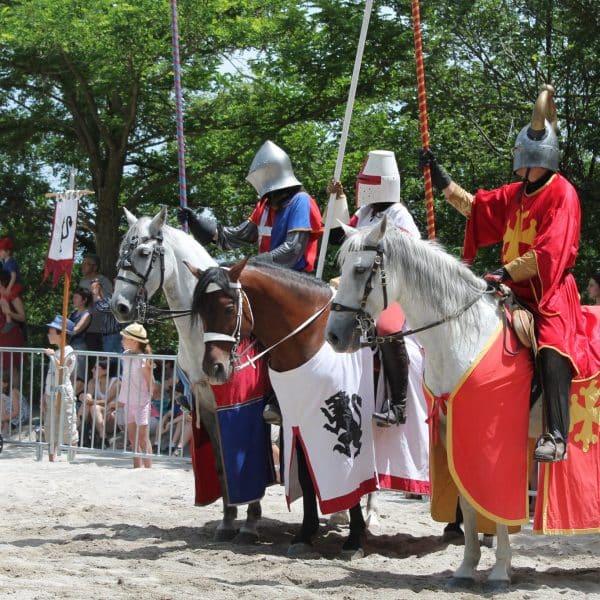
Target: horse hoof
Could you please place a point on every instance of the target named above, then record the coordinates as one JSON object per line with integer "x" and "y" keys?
{"x": 302, "y": 550}
{"x": 225, "y": 535}
{"x": 353, "y": 554}
{"x": 246, "y": 538}
{"x": 460, "y": 583}
{"x": 496, "y": 586}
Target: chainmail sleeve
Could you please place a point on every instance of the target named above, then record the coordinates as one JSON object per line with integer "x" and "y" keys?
{"x": 229, "y": 238}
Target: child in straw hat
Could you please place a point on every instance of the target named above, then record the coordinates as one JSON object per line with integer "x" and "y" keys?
{"x": 136, "y": 391}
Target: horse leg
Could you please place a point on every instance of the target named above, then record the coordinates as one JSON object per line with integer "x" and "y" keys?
{"x": 472, "y": 550}
{"x": 302, "y": 541}
{"x": 249, "y": 530}
{"x": 226, "y": 530}
{"x": 353, "y": 547}
{"x": 499, "y": 577}
{"x": 372, "y": 522}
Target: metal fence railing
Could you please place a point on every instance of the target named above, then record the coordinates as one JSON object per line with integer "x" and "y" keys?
{"x": 89, "y": 411}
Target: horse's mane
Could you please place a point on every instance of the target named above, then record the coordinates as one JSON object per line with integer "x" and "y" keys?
{"x": 441, "y": 281}
{"x": 219, "y": 276}
{"x": 286, "y": 274}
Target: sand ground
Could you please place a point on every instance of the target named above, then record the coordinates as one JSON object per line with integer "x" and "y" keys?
{"x": 96, "y": 529}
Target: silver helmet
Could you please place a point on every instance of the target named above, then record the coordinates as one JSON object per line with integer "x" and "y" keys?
{"x": 271, "y": 170}
{"x": 537, "y": 143}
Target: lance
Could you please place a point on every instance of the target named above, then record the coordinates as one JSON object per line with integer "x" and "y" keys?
{"x": 345, "y": 128}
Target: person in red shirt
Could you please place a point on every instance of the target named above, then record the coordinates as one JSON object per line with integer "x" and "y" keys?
{"x": 538, "y": 221}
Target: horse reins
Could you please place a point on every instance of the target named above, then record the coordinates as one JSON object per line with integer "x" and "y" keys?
{"x": 366, "y": 323}
{"x": 235, "y": 336}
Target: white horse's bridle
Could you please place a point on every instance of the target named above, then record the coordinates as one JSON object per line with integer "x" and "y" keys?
{"x": 125, "y": 263}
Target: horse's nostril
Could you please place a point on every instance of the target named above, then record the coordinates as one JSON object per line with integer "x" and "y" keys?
{"x": 332, "y": 338}
{"x": 122, "y": 309}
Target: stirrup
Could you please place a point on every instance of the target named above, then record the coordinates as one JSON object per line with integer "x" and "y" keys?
{"x": 550, "y": 449}
{"x": 391, "y": 414}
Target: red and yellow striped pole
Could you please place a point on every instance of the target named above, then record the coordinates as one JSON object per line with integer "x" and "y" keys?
{"x": 422, "y": 98}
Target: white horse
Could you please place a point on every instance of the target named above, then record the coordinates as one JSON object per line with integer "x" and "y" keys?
{"x": 152, "y": 256}
{"x": 430, "y": 285}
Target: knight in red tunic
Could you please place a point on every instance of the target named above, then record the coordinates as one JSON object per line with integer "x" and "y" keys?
{"x": 538, "y": 221}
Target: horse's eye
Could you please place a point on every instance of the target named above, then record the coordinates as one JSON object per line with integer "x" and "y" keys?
{"x": 145, "y": 251}
{"x": 360, "y": 270}
{"x": 230, "y": 308}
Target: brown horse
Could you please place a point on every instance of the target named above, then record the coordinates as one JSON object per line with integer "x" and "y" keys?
{"x": 287, "y": 313}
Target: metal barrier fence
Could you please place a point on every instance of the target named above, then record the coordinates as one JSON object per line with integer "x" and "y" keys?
{"x": 81, "y": 414}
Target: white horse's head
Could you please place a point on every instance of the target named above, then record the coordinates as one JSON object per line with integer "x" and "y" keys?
{"x": 360, "y": 296}
{"x": 141, "y": 264}
{"x": 151, "y": 256}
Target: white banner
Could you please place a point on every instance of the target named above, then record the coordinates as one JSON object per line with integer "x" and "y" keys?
{"x": 61, "y": 252}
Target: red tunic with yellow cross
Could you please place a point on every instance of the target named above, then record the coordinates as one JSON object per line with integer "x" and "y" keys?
{"x": 540, "y": 229}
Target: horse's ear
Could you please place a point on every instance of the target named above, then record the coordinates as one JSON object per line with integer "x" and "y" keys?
{"x": 376, "y": 232}
{"x": 158, "y": 222}
{"x": 195, "y": 271}
{"x": 236, "y": 270}
{"x": 348, "y": 231}
{"x": 131, "y": 218}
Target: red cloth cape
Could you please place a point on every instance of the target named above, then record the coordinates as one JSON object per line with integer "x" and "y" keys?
{"x": 486, "y": 440}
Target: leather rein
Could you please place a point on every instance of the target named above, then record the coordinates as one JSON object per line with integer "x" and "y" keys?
{"x": 365, "y": 322}
{"x": 236, "y": 335}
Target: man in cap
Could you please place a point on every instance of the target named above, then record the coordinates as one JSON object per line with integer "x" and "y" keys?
{"x": 286, "y": 221}
{"x": 538, "y": 220}
{"x": 378, "y": 195}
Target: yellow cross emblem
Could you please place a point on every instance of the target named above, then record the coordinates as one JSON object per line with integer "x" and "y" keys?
{"x": 513, "y": 236}
{"x": 588, "y": 414}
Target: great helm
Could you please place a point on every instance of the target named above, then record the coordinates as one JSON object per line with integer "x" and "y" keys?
{"x": 378, "y": 180}
{"x": 537, "y": 143}
{"x": 271, "y": 170}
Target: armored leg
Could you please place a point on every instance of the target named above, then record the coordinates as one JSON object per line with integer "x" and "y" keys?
{"x": 556, "y": 375}
{"x": 395, "y": 368}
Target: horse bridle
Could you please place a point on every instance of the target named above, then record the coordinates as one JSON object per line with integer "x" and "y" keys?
{"x": 236, "y": 335}
{"x": 125, "y": 263}
{"x": 366, "y": 323}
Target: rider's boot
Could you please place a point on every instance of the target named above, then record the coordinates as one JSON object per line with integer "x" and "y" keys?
{"x": 556, "y": 374}
{"x": 395, "y": 370}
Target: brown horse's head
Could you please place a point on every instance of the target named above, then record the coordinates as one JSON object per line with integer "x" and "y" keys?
{"x": 219, "y": 302}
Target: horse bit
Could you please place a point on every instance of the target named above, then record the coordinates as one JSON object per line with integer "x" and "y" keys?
{"x": 365, "y": 322}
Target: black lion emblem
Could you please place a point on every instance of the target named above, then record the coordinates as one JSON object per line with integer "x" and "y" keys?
{"x": 342, "y": 422}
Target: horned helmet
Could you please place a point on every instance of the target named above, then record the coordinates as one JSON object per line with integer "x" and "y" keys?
{"x": 537, "y": 143}
{"x": 378, "y": 180}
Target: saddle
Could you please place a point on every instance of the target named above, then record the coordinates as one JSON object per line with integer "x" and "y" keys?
{"x": 520, "y": 318}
